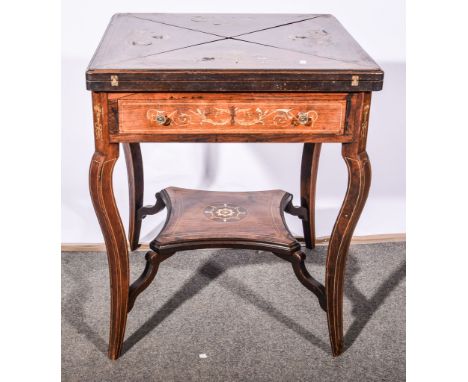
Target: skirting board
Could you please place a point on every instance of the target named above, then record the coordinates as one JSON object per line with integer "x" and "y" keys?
{"x": 369, "y": 239}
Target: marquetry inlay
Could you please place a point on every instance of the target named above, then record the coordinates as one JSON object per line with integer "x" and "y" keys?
{"x": 365, "y": 123}
{"x": 224, "y": 212}
{"x": 224, "y": 116}
{"x": 98, "y": 121}
{"x": 232, "y": 113}
{"x": 225, "y": 78}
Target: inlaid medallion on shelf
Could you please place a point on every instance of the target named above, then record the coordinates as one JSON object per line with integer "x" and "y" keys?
{"x": 224, "y": 212}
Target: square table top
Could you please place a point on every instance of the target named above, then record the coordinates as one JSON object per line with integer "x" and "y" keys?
{"x": 230, "y": 52}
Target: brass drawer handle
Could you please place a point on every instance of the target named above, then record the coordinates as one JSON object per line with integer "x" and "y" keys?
{"x": 162, "y": 120}
{"x": 302, "y": 118}
{"x": 232, "y": 115}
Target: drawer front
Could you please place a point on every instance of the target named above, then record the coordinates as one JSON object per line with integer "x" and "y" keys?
{"x": 323, "y": 114}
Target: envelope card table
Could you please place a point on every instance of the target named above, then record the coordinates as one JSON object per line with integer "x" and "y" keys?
{"x": 228, "y": 78}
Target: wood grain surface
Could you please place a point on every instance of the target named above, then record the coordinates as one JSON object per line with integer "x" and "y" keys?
{"x": 230, "y": 52}
{"x": 102, "y": 196}
{"x": 228, "y": 78}
{"x": 359, "y": 178}
{"x": 219, "y": 113}
{"x": 201, "y": 219}
{"x": 319, "y": 241}
{"x": 134, "y": 164}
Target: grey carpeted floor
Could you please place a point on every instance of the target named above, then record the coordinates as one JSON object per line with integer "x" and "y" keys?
{"x": 245, "y": 310}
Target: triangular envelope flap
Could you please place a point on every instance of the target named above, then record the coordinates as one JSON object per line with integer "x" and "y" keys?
{"x": 128, "y": 38}
{"x": 323, "y": 38}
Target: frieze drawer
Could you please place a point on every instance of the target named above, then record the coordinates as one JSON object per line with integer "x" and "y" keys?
{"x": 217, "y": 114}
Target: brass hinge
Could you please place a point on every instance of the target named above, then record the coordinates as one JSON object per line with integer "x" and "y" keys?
{"x": 354, "y": 80}
{"x": 114, "y": 80}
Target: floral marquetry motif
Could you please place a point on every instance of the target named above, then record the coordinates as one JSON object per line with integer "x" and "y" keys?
{"x": 291, "y": 78}
{"x": 233, "y": 115}
{"x": 218, "y": 114}
{"x": 225, "y": 212}
{"x": 253, "y": 219}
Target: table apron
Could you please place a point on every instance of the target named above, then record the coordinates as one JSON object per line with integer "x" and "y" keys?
{"x": 229, "y": 117}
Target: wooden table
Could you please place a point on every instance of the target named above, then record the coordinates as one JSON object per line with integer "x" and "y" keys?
{"x": 228, "y": 78}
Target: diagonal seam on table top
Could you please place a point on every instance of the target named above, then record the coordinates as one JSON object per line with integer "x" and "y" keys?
{"x": 212, "y": 34}
{"x": 219, "y": 35}
{"x": 235, "y": 38}
{"x": 168, "y": 51}
{"x": 294, "y": 50}
{"x": 176, "y": 26}
{"x": 276, "y": 26}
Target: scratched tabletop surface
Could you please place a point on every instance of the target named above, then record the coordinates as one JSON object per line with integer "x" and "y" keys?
{"x": 149, "y": 44}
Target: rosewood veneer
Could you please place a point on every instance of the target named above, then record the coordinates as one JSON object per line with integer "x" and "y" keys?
{"x": 228, "y": 78}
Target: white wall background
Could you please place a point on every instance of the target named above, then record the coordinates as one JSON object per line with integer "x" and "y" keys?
{"x": 378, "y": 25}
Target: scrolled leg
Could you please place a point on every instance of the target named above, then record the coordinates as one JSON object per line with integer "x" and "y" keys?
{"x": 359, "y": 178}
{"x": 153, "y": 260}
{"x": 102, "y": 195}
{"x": 307, "y": 280}
{"x": 116, "y": 245}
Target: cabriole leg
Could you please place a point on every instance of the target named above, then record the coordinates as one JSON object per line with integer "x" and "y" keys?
{"x": 359, "y": 178}
{"x": 102, "y": 195}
